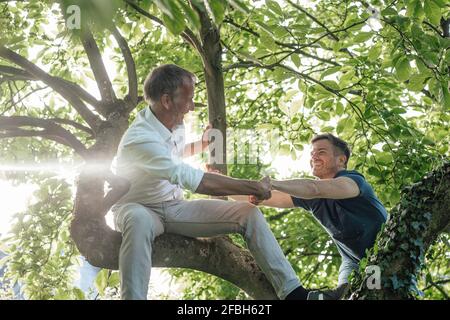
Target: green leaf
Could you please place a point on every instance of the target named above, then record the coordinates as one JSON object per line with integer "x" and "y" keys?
{"x": 165, "y": 8}
{"x": 323, "y": 115}
{"x": 374, "y": 52}
{"x": 327, "y": 129}
{"x": 274, "y": 7}
{"x": 362, "y": 37}
{"x": 331, "y": 84}
{"x": 346, "y": 78}
{"x": 433, "y": 12}
{"x": 101, "y": 281}
{"x": 239, "y": 5}
{"x": 341, "y": 125}
{"x": 176, "y": 26}
{"x": 339, "y": 108}
{"x": 373, "y": 171}
{"x": 403, "y": 69}
{"x": 330, "y": 71}
{"x": 416, "y": 82}
{"x": 410, "y": 7}
{"x": 441, "y": 3}
{"x": 114, "y": 279}
{"x": 389, "y": 12}
{"x": 296, "y": 60}
{"x": 79, "y": 294}
{"x": 264, "y": 27}
{"x": 384, "y": 158}
{"x": 419, "y": 13}
{"x": 268, "y": 41}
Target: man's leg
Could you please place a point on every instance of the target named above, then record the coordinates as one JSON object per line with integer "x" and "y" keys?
{"x": 204, "y": 218}
{"x": 139, "y": 227}
{"x": 348, "y": 264}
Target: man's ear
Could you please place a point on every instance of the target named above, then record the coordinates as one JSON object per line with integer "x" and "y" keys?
{"x": 342, "y": 158}
{"x": 165, "y": 101}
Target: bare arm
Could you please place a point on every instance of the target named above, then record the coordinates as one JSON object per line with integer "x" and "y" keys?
{"x": 219, "y": 185}
{"x": 338, "y": 188}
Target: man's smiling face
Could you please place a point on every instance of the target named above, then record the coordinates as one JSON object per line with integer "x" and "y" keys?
{"x": 325, "y": 163}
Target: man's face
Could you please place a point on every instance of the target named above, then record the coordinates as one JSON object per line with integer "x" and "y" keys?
{"x": 325, "y": 163}
{"x": 182, "y": 101}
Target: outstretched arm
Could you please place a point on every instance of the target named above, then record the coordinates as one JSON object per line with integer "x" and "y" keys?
{"x": 219, "y": 185}
{"x": 338, "y": 188}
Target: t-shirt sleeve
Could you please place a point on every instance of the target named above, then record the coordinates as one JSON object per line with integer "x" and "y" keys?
{"x": 360, "y": 181}
{"x": 302, "y": 203}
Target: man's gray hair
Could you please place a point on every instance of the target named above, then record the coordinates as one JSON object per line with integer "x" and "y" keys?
{"x": 165, "y": 79}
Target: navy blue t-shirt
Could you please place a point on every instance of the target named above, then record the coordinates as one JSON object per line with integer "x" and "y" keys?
{"x": 352, "y": 223}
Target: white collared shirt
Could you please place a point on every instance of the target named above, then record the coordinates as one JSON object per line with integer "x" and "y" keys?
{"x": 150, "y": 157}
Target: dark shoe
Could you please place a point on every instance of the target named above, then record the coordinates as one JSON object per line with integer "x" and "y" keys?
{"x": 334, "y": 294}
{"x": 299, "y": 293}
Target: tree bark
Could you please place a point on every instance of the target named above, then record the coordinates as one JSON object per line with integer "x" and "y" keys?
{"x": 422, "y": 214}
{"x": 211, "y": 54}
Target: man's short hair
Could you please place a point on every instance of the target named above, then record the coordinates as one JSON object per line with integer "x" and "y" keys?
{"x": 340, "y": 146}
{"x": 165, "y": 79}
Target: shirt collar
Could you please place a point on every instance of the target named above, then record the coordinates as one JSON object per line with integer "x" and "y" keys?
{"x": 340, "y": 173}
{"x": 150, "y": 117}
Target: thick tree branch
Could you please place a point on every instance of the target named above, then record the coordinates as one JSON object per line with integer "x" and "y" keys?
{"x": 18, "y": 74}
{"x": 73, "y": 124}
{"x": 98, "y": 68}
{"x": 129, "y": 62}
{"x": 55, "y": 83}
{"x": 12, "y": 127}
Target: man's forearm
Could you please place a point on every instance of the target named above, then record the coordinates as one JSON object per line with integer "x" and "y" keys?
{"x": 300, "y": 188}
{"x": 219, "y": 185}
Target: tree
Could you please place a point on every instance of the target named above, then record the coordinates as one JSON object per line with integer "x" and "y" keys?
{"x": 280, "y": 67}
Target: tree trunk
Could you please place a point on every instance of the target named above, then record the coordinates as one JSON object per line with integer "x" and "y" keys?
{"x": 211, "y": 53}
{"x": 422, "y": 214}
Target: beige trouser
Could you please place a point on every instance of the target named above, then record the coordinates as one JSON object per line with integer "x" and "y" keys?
{"x": 140, "y": 225}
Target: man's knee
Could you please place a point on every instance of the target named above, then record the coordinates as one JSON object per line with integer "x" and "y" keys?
{"x": 139, "y": 222}
{"x": 251, "y": 217}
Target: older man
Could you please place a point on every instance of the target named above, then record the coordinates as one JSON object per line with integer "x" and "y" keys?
{"x": 149, "y": 157}
{"x": 340, "y": 199}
